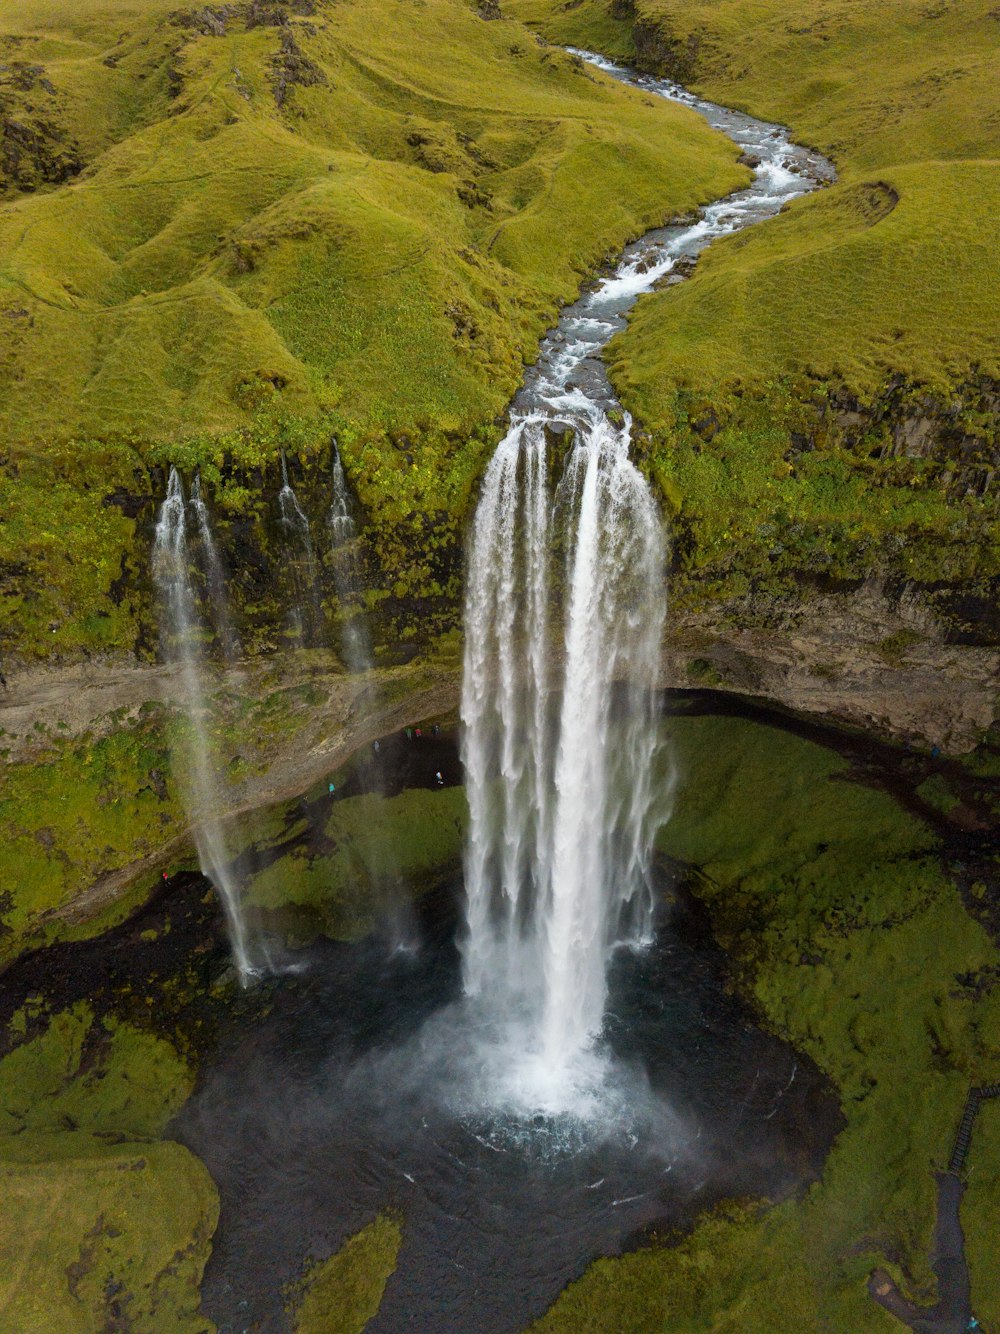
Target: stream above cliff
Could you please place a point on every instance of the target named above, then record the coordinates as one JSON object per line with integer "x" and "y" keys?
{"x": 568, "y": 366}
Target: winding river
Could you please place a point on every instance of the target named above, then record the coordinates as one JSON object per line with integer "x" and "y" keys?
{"x": 569, "y": 364}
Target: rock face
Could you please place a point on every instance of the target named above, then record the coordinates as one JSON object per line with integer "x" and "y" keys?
{"x": 109, "y": 816}
{"x": 863, "y": 657}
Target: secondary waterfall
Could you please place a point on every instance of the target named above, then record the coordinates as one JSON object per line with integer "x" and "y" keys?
{"x": 215, "y": 578}
{"x": 564, "y": 617}
{"x": 306, "y": 613}
{"x": 356, "y": 647}
{"x": 181, "y": 632}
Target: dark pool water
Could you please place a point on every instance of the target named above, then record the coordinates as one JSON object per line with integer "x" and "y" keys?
{"x": 357, "y": 1090}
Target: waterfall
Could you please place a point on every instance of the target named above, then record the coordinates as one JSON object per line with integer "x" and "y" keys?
{"x": 564, "y": 620}
{"x": 356, "y": 644}
{"x": 181, "y": 645}
{"x": 215, "y": 577}
{"x": 389, "y": 884}
{"x": 307, "y": 615}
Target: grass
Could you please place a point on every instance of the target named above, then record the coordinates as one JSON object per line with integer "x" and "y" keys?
{"x": 855, "y": 946}
{"x": 98, "y": 1235}
{"x": 245, "y": 262}
{"x": 105, "y": 1077}
{"x": 375, "y": 851}
{"x": 344, "y": 1292}
{"x": 861, "y": 308}
{"x": 981, "y": 1214}
{"x": 104, "y": 1226}
{"x": 75, "y": 811}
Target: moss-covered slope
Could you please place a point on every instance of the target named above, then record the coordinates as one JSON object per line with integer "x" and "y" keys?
{"x": 288, "y": 218}
{"x": 104, "y": 1225}
{"x": 854, "y": 943}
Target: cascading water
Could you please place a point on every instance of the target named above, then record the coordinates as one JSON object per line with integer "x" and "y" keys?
{"x": 180, "y": 636}
{"x": 356, "y": 644}
{"x": 560, "y": 720}
{"x": 306, "y": 614}
{"x": 215, "y": 578}
{"x": 561, "y": 662}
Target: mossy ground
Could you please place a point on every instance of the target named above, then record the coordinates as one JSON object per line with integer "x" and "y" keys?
{"x": 104, "y": 1225}
{"x": 108, "y": 1077}
{"x": 855, "y": 945}
{"x": 771, "y": 382}
{"x": 344, "y": 1292}
{"x": 372, "y": 852}
{"x": 75, "y": 811}
{"x": 289, "y": 220}
{"x": 98, "y": 1236}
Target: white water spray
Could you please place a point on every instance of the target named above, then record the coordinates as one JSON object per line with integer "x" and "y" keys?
{"x": 560, "y": 717}
{"x": 199, "y": 764}
{"x": 307, "y": 616}
{"x": 356, "y": 643}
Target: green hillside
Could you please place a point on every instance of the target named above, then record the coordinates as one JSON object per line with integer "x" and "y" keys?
{"x": 230, "y": 229}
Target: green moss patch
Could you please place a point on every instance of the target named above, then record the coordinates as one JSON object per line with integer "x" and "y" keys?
{"x": 98, "y": 1231}
{"x": 372, "y": 850}
{"x": 76, "y": 811}
{"x": 345, "y": 1292}
{"x": 106, "y": 1077}
{"x": 981, "y": 1212}
{"x": 97, "y": 1236}
{"x": 855, "y": 946}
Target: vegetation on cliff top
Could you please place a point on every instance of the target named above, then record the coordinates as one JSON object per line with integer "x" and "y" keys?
{"x": 821, "y": 396}
{"x": 274, "y": 221}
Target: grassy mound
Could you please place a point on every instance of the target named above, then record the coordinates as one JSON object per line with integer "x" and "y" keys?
{"x": 281, "y": 220}
{"x": 855, "y": 946}
{"x": 98, "y": 1236}
{"x": 345, "y": 1292}
{"x": 75, "y": 813}
{"x": 103, "y": 1226}
{"x": 110, "y": 1078}
{"x": 822, "y": 394}
{"x": 372, "y": 852}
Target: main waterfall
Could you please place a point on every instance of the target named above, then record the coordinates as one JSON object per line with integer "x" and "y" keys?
{"x": 564, "y": 617}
